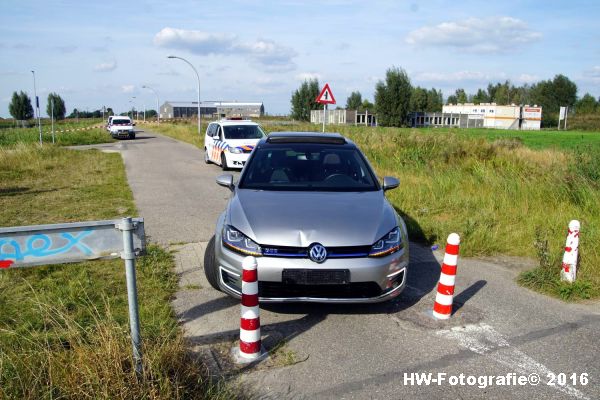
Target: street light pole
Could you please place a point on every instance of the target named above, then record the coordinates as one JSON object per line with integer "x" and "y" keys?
{"x": 133, "y": 109}
{"x": 197, "y": 77}
{"x": 37, "y": 106}
{"x": 157, "y": 101}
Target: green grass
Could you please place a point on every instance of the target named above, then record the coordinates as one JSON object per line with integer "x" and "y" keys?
{"x": 51, "y": 185}
{"x": 498, "y": 192}
{"x": 93, "y": 135}
{"x": 64, "y": 330}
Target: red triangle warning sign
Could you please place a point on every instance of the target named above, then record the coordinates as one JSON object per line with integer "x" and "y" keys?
{"x": 326, "y": 96}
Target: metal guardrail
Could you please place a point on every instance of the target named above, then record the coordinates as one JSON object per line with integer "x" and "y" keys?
{"x": 30, "y": 246}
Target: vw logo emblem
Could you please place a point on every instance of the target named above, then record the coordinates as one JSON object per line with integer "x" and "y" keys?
{"x": 317, "y": 253}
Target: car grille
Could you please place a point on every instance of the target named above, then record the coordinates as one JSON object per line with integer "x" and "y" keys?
{"x": 302, "y": 252}
{"x": 355, "y": 290}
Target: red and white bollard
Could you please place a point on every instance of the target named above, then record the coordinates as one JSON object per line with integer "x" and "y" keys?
{"x": 250, "y": 348}
{"x": 442, "y": 308}
{"x": 569, "y": 263}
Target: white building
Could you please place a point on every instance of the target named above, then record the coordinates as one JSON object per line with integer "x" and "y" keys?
{"x": 497, "y": 116}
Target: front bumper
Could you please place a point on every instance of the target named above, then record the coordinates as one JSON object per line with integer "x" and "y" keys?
{"x": 372, "y": 280}
{"x": 236, "y": 160}
{"x": 122, "y": 133}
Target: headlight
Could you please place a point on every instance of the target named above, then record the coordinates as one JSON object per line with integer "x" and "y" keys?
{"x": 389, "y": 244}
{"x": 235, "y": 150}
{"x": 238, "y": 242}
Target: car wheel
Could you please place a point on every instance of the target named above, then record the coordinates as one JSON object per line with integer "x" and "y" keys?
{"x": 206, "y": 159}
{"x": 210, "y": 265}
{"x": 224, "y": 162}
{"x": 132, "y": 136}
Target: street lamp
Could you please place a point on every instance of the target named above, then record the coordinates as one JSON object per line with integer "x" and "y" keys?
{"x": 198, "y": 77}
{"x": 157, "y": 102}
{"x": 37, "y": 105}
{"x": 133, "y": 109}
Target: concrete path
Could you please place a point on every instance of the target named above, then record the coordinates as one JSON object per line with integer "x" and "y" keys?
{"x": 499, "y": 330}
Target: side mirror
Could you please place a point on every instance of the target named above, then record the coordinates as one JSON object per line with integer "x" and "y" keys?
{"x": 216, "y": 137}
{"x": 226, "y": 181}
{"x": 133, "y": 124}
{"x": 389, "y": 182}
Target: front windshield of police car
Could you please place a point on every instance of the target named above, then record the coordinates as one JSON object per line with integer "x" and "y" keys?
{"x": 235, "y": 132}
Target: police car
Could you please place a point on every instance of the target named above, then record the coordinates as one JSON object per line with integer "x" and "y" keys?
{"x": 229, "y": 142}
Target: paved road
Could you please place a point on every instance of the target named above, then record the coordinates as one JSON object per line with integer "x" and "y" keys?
{"x": 367, "y": 352}
{"x": 173, "y": 189}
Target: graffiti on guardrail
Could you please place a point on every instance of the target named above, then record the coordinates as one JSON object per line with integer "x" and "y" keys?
{"x": 30, "y": 246}
{"x": 40, "y": 245}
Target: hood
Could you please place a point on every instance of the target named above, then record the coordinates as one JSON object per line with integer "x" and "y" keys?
{"x": 298, "y": 219}
{"x": 242, "y": 142}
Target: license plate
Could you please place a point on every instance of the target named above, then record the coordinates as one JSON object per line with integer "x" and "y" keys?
{"x": 315, "y": 276}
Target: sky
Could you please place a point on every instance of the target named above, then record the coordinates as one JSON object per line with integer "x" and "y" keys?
{"x": 101, "y": 53}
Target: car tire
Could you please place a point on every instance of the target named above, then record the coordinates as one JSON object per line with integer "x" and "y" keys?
{"x": 210, "y": 265}
{"x": 132, "y": 136}
{"x": 206, "y": 158}
{"x": 224, "y": 162}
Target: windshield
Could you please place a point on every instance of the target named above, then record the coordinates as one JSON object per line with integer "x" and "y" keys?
{"x": 308, "y": 167}
{"x": 116, "y": 121}
{"x": 243, "y": 132}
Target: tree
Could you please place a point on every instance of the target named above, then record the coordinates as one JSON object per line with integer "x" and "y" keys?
{"x": 435, "y": 100}
{"x": 586, "y": 105}
{"x": 109, "y": 111}
{"x": 367, "y": 105}
{"x": 481, "y": 97}
{"x": 20, "y": 106}
{"x": 418, "y": 100}
{"x": 354, "y": 101}
{"x": 451, "y": 99}
{"x": 392, "y": 98}
{"x": 461, "y": 96}
{"x": 553, "y": 94}
{"x": 59, "y": 106}
{"x": 303, "y": 100}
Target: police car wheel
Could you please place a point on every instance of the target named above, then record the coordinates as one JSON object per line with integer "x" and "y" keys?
{"x": 206, "y": 159}
{"x": 224, "y": 162}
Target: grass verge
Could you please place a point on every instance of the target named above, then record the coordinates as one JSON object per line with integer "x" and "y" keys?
{"x": 499, "y": 192}
{"x": 64, "y": 329}
{"x": 67, "y": 133}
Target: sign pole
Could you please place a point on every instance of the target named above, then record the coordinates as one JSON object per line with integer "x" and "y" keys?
{"x": 325, "y": 98}
{"x": 128, "y": 255}
{"x": 324, "y": 116}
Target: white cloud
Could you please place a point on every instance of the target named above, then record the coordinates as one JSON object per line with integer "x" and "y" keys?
{"x": 127, "y": 88}
{"x": 267, "y": 53}
{"x": 528, "y": 78}
{"x": 459, "y": 76}
{"x": 594, "y": 72}
{"x": 479, "y": 35}
{"x": 106, "y": 67}
{"x": 66, "y": 49}
{"x": 307, "y": 76}
{"x": 194, "y": 41}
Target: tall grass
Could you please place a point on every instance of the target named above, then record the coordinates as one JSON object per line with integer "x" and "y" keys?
{"x": 52, "y": 184}
{"x": 91, "y": 135}
{"x": 64, "y": 334}
{"x": 497, "y": 193}
{"x": 64, "y": 329}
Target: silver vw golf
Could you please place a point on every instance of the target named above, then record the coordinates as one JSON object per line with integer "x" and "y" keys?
{"x": 311, "y": 210}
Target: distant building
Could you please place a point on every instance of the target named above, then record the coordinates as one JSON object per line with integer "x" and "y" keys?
{"x": 344, "y": 117}
{"x": 484, "y": 115}
{"x": 211, "y": 109}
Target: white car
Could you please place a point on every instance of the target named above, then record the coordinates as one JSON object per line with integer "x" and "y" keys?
{"x": 229, "y": 142}
{"x": 122, "y": 127}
